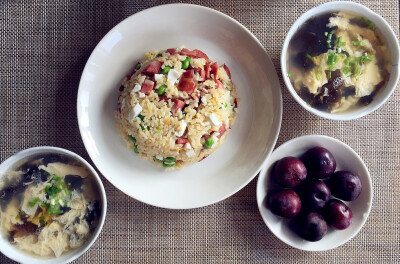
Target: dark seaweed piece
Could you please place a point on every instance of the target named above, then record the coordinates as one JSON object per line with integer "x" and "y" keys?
{"x": 73, "y": 182}
{"x": 22, "y": 230}
{"x": 35, "y": 175}
{"x": 301, "y": 61}
{"x": 310, "y": 38}
{"x": 93, "y": 214}
{"x": 348, "y": 91}
{"x": 365, "y": 100}
{"x": 8, "y": 193}
{"x": 65, "y": 209}
{"x": 50, "y": 158}
{"x": 305, "y": 94}
{"x": 330, "y": 93}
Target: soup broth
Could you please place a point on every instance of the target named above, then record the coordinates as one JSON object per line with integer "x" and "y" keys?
{"x": 338, "y": 62}
{"x": 49, "y": 205}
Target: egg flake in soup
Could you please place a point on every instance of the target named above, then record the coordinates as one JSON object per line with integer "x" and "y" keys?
{"x": 338, "y": 62}
{"x": 176, "y": 107}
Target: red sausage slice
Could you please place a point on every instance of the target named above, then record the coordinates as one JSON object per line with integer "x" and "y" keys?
{"x": 221, "y": 130}
{"x": 194, "y": 53}
{"x": 228, "y": 72}
{"x": 178, "y": 105}
{"x": 214, "y": 70}
{"x": 147, "y": 86}
{"x": 188, "y": 74}
{"x": 207, "y": 69}
{"x": 180, "y": 140}
{"x": 153, "y": 68}
{"x": 219, "y": 85}
{"x": 186, "y": 85}
{"x": 171, "y": 51}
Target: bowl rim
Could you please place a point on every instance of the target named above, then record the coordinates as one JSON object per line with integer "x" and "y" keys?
{"x": 263, "y": 174}
{"x": 22, "y": 257}
{"x": 391, "y": 39}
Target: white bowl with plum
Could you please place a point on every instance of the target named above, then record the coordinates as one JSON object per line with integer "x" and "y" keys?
{"x": 314, "y": 193}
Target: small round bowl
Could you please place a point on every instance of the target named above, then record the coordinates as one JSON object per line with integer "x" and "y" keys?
{"x": 346, "y": 159}
{"x": 14, "y": 253}
{"x": 391, "y": 40}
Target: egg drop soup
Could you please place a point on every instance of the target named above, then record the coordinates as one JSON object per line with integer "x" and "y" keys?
{"x": 338, "y": 62}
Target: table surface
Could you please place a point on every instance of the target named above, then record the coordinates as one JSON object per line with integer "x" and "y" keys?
{"x": 44, "y": 46}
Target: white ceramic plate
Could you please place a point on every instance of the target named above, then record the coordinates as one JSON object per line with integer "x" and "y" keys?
{"x": 247, "y": 146}
{"x": 346, "y": 159}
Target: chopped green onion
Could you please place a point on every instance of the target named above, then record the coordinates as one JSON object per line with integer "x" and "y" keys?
{"x": 332, "y": 58}
{"x": 159, "y": 55}
{"x": 358, "y": 43}
{"x": 370, "y": 24}
{"x": 161, "y": 89}
{"x": 141, "y": 117}
{"x": 132, "y": 139}
{"x": 329, "y": 75}
{"x": 347, "y": 71}
{"x": 135, "y": 149}
{"x": 142, "y": 127}
{"x": 34, "y": 202}
{"x": 308, "y": 56}
{"x": 166, "y": 69}
{"x": 208, "y": 143}
{"x": 326, "y": 34}
{"x": 138, "y": 66}
{"x": 328, "y": 41}
{"x": 366, "y": 58}
{"x": 289, "y": 74}
{"x": 357, "y": 72}
{"x": 185, "y": 63}
{"x": 339, "y": 42}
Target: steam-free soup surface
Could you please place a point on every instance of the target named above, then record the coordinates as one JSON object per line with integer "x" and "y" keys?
{"x": 338, "y": 62}
{"x": 48, "y": 205}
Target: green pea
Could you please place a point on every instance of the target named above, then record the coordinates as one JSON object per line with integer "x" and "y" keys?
{"x": 208, "y": 144}
{"x": 185, "y": 63}
{"x": 161, "y": 89}
{"x": 166, "y": 69}
{"x": 169, "y": 162}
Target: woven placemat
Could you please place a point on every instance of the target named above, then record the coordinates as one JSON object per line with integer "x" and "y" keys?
{"x": 44, "y": 46}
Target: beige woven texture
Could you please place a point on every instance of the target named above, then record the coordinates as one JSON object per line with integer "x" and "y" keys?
{"x": 44, "y": 46}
